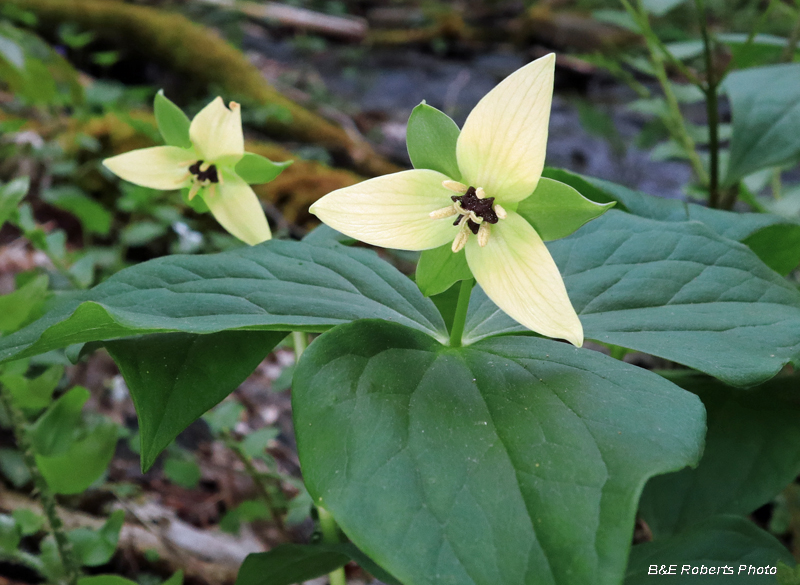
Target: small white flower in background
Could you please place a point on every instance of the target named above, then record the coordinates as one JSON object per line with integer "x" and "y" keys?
{"x": 500, "y": 153}
{"x": 207, "y": 168}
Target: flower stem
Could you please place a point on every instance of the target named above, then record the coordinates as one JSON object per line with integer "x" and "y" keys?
{"x": 461, "y": 312}
{"x": 63, "y": 545}
{"x": 710, "y": 90}
{"x": 330, "y": 535}
{"x": 300, "y": 343}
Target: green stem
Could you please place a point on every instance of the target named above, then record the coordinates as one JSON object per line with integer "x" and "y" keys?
{"x": 330, "y": 535}
{"x": 259, "y": 480}
{"x": 712, "y": 109}
{"x": 63, "y": 545}
{"x": 461, "y": 312}
{"x": 675, "y": 122}
{"x": 300, "y": 343}
{"x": 794, "y": 38}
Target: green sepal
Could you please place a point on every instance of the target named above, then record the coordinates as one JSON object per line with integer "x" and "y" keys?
{"x": 555, "y": 210}
{"x": 255, "y": 169}
{"x": 431, "y": 138}
{"x": 172, "y": 122}
{"x": 438, "y": 269}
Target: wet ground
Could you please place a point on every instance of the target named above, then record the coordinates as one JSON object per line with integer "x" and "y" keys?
{"x": 379, "y": 88}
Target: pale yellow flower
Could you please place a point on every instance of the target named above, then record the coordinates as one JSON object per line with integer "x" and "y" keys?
{"x": 206, "y": 168}
{"x": 500, "y": 153}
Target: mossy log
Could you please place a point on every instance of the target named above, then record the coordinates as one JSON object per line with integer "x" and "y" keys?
{"x": 198, "y": 53}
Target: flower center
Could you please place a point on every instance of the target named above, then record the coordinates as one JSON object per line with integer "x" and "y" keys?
{"x": 204, "y": 172}
{"x": 482, "y": 208}
{"x": 479, "y": 210}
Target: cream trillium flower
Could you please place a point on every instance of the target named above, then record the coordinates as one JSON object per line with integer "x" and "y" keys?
{"x": 500, "y": 153}
{"x": 206, "y": 168}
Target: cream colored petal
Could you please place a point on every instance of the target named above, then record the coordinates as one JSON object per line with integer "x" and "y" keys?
{"x": 159, "y": 167}
{"x": 216, "y": 132}
{"x": 236, "y": 207}
{"x": 502, "y": 145}
{"x": 392, "y": 211}
{"x": 517, "y": 272}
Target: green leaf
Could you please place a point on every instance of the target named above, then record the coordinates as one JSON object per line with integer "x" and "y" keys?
{"x": 287, "y": 564}
{"x": 183, "y": 472}
{"x": 29, "y": 522}
{"x": 224, "y": 416}
{"x": 33, "y": 393}
{"x": 515, "y": 460}
{"x": 555, "y": 210}
{"x": 431, "y": 138}
{"x": 660, "y": 7}
{"x": 172, "y": 122}
{"x": 175, "y": 378}
{"x": 674, "y": 290}
{"x": 275, "y": 286}
{"x": 772, "y": 237}
{"x": 94, "y": 217}
{"x": 438, "y": 269}
{"x": 105, "y": 580}
{"x": 765, "y": 106}
{"x": 10, "y": 534}
{"x": 722, "y": 541}
{"x": 256, "y": 442}
{"x": 52, "y": 433}
{"x": 752, "y": 452}
{"x": 256, "y": 169}
{"x": 16, "y": 308}
{"x": 96, "y": 547}
{"x": 86, "y": 460}
{"x": 11, "y": 194}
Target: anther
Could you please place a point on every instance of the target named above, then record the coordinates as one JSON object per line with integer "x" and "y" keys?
{"x": 444, "y": 212}
{"x": 461, "y": 239}
{"x": 480, "y": 193}
{"x": 455, "y": 186}
{"x": 483, "y": 234}
{"x": 194, "y": 189}
{"x": 500, "y": 212}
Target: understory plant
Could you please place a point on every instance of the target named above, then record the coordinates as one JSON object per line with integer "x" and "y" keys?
{"x": 446, "y": 434}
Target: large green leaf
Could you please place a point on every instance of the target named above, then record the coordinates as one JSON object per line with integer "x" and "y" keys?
{"x": 175, "y": 378}
{"x": 675, "y": 290}
{"x": 10, "y": 196}
{"x": 288, "y": 564}
{"x": 765, "y": 106}
{"x": 752, "y": 452}
{"x": 774, "y": 238}
{"x": 275, "y": 286}
{"x": 514, "y": 461}
{"x": 719, "y": 542}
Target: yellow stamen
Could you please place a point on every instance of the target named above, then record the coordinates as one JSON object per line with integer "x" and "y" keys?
{"x": 480, "y": 193}
{"x": 455, "y": 186}
{"x": 194, "y": 189}
{"x": 204, "y": 167}
{"x": 461, "y": 238}
{"x": 483, "y": 234}
{"x": 448, "y": 211}
{"x": 501, "y": 213}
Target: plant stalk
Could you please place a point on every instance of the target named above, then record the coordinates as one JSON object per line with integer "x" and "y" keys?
{"x": 63, "y": 545}
{"x": 712, "y": 109}
{"x": 300, "y": 342}
{"x": 330, "y": 535}
{"x": 259, "y": 480}
{"x": 461, "y": 312}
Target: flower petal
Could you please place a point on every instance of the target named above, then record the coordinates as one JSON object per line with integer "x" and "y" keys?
{"x": 236, "y": 207}
{"x": 517, "y": 272}
{"x": 502, "y": 145}
{"x": 392, "y": 211}
{"x": 158, "y": 167}
{"x": 216, "y": 132}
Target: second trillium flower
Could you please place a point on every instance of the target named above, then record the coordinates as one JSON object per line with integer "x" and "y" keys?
{"x": 500, "y": 155}
{"x": 205, "y": 162}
